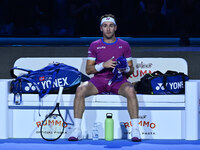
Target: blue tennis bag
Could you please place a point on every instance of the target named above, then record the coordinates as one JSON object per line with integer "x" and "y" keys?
{"x": 158, "y": 83}
{"x": 46, "y": 80}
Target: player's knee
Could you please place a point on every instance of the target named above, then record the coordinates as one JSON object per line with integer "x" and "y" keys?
{"x": 80, "y": 91}
{"x": 130, "y": 91}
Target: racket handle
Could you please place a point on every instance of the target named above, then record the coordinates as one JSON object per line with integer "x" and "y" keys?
{"x": 60, "y": 93}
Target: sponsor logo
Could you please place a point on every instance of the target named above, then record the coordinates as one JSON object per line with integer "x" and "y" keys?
{"x": 29, "y": 87}
{"x": 51, "y": 123}
{"x": 143, "y": 65}
{"x": 148, "y": 133}
{"x": 101, "y": 47}
{"x": 46, "y": 84}
{"x": 139, "y": 73}
{"x": 160, "y": 87}
{"x": 120, "y": 47}
{"x": 38, "y": 132}
{"x": 172, "y": 85}
{"x": 108, "y": 18}
{"x": 57, "y": 83}
{"x": 41, "y": 78}
{"x": 55, "y": 123}
{"x": 143, "y": 133}
{"x": 141, "y": 123}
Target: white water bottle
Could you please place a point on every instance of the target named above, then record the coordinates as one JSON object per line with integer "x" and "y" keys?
{"x": 95, "y": 132}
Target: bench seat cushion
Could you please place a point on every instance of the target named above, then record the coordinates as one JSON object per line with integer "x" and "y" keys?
{"x": 102, "y": 100}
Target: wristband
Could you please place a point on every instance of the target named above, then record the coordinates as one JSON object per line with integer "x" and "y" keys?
{"x": 99, "y": 67}
{"x": 127, "y": 69}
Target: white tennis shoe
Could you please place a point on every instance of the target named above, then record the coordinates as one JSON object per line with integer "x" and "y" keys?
{"x": 135, "y": 134}
{"x": 75, "y": 135}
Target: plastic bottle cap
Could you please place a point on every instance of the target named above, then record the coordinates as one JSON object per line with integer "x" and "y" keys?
{"x": 109, "y": 115}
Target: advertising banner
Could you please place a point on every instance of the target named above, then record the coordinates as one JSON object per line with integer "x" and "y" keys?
{"x": 153, "y": 124}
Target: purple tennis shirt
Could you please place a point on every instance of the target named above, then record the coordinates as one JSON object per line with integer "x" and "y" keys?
{"x": 99, "y": 51}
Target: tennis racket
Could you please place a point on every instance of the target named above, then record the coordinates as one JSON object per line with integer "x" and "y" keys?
{"x": 53, "y": 125}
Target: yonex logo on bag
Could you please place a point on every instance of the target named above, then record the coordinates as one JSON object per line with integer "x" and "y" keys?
{"x": 46, "y": 84}
{"x": 160, "y": 87}
{"x": 172, "y": 85}
{"x": 176, "y": 85}
{"x": 30, "y": 87}
{"x": 57, "y": 83}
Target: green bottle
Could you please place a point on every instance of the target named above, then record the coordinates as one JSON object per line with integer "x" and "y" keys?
{"x": 109, "y": 127}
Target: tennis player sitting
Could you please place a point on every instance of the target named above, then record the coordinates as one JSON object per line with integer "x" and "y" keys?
{"x": 109, "y": 59}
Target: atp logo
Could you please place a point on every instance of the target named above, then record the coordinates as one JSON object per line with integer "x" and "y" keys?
{"x": 160, "y": 87}
{"x": 29, "y": 87}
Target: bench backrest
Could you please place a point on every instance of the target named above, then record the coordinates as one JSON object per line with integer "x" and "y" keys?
{"x": 141, "y": 65}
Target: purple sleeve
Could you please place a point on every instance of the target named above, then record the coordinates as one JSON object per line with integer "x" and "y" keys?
{"x": 91, "y": 52}
{"x": 127, "y": 52}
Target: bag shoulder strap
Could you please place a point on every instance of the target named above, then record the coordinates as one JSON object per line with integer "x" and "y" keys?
{"x": 156, "y": 73}
{"x": 16, "y": 68}
{"x": 170, "y": 72}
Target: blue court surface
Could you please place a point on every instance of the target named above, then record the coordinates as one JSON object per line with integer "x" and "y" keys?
{"x": 62, "y": 144}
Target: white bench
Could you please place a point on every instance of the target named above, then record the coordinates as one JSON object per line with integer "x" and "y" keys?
{"x": 161, "y": 116}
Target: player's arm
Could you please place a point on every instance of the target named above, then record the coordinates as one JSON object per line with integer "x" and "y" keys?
{"x": 127, "y": 54}
{"x": 92, "y": 67}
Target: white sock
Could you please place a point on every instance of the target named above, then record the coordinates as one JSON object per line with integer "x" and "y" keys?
{"x": 134, "y": 123}
{"x": 77, "y": 123}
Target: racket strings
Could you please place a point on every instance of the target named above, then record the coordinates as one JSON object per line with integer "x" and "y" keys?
{"x": 52, "y": 127}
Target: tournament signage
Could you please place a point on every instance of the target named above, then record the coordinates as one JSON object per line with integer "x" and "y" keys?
{"x": 152, "y": 124}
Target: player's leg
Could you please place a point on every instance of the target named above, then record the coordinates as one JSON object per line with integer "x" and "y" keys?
{"x": 127, "y": 90}
{"x": 84, "y": 90}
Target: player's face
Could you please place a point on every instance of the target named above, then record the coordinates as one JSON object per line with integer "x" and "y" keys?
{"x": 108, "y": 28}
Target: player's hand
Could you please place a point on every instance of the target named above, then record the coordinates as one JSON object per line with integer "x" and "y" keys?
{"x": 110, "y": 63}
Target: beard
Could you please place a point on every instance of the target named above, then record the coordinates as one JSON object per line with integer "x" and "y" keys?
{"x": 110, "y": 36}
